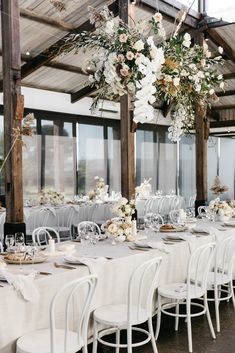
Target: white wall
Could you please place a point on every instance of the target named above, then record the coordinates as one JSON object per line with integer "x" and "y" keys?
{"x": 60, "y": 102}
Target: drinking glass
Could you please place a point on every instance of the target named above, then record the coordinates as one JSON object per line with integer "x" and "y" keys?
{"x": 32, "y": 250}
{"x": 147, "y": 223}
{"x": 85, "y": 240}
{"x": 19, "y": 239}
{"x": 9, "y": 241}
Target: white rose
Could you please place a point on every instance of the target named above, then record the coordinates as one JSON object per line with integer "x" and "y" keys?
{"x": 123, "y": 201}
{"x": 187, "y": 40}
{"x": 176, "y": 81}
{"x": 139, "y": 45}
{"x": 112, "y": 228}
{"x": 221, "y": 85}
{"x": 220, "y": 77}
{"x": 211, "y": 91}
{"x": 220, "y": 50}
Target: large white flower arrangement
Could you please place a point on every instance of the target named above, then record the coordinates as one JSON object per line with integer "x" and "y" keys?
{"x": 100, "y": 192}
{"x": 51, "y": 196}
{"x": 129, "y": 60}
{"x": 144, "y": 190}
{"x": 123, "y": 208}
{"x": 221, "y": 208}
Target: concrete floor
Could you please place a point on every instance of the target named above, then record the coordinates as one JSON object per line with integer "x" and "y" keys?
{"x": 170, "y": 341}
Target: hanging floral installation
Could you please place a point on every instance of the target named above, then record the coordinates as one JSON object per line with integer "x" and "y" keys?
{"x": 27, "y": 129}
{"x": 139, "y": 61}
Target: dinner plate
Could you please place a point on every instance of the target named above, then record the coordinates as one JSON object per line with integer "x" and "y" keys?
{"x": 178, "y": 229}
{"x": 36, "y": 260}
{"x": 229, "y": 224}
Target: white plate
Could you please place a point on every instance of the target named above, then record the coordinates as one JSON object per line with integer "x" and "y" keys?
{"x": 229, "y": 223}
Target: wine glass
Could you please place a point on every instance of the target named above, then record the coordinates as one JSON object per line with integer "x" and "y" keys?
{"x": 147, "y": 223}
{"x": 19, "y": 239}
{"x": 9, "y": 241}
{"x": 32, "y": 250}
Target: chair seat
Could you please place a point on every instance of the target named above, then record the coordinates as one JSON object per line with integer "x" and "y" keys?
{"x": 39, "y": 342}
{"x": 221, "y": 278}
{"x": 116, "y": 315}
{"x": 178, "y": 291}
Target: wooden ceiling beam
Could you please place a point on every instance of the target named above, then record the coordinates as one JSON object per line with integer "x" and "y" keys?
{"x": 224, "y": 107}
{"x": 171, "y": 8}
{"x": 220, "y": 41}
{"x": 222, "y": 123}
{"x": 45, "y": 88}
{"x": 81, "y": 93}
{"x": 46, "y": 20}
{"x": 54, "y": 50}
{"x": 226, "y": 93}
{"x": 229, "y": 76}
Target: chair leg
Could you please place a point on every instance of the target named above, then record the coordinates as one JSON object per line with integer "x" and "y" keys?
{"x": 158, "y": 317}
{"x": 129, "y": 339}
{"x": 150, "y": 326}
{"x": 209, "y": 318}
{"x": 189, "y": 326}
{"x": 177, "y": 316}
{"x": 95, "y": 336}
{"x": 217, "y": 309}
{"x": 117, "y": 349}
{"x": 232, "y": 293}
{"x": 84, "y": 348}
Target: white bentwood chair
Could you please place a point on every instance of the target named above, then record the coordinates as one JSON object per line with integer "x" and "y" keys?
{"x": 137, "y": 310}
{"x": 222, "y": 275}
{"x": 202, "y": 211}
{"x": 183, "y": 293}
{"x": 86, "y": 227}
{"x": 41, "y": 235}
{"x": 53, "y": 340}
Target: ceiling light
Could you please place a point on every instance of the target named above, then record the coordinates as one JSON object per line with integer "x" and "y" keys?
{"x": 27, "y": 53}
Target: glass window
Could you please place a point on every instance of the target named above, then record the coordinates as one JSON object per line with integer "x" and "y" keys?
{"x": 146, "y": 157}
{"x": 91, "y": 159}
{"x": 187, "y": 167}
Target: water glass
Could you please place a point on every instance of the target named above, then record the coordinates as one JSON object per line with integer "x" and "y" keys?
{"x": 32, "y": 250}
{"x": 19, "y": 239}
{"x": 9, "y": 241}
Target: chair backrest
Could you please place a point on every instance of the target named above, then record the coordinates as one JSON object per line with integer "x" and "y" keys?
{"x": 202, "y": 211}
{"x": 41, "y": 235}
{"x": 86, "y": 227}
{"x": 224, "y": 257}
{"x": 83, "y": 289}
{"x": 144, "y": 276}
{"x": 199, "y": 265}
{"x": 41, "y": 217}
{"x": 1, "y": 246}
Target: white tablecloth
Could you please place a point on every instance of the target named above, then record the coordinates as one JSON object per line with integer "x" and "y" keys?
{"x": 19, "y": 316}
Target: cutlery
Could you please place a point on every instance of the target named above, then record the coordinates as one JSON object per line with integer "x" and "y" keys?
{"x": 44, "y": 273}
{"x": 66, "y": 267}
{"x": 132, "y": 247}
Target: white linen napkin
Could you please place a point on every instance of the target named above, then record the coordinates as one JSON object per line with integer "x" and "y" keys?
{"x": 94, "y": 265}
{"x": 152, "y": 245}
{"x": 24, "y": 284}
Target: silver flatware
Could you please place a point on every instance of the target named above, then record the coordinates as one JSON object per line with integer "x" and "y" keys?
{"x": 66, "y": 267}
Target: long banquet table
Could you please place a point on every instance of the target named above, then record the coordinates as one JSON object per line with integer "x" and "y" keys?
{"x": 19, "y": 317}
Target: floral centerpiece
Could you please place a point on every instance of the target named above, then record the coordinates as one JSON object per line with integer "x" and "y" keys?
{"x": 221, "y": 209}
{"x": 123, "y": 208}
{"x": 120, "y": 227}
{"x": 217, "y": 188}
{"x": 139, "y": 61}
{"x": 100, "y": 191}
{"x": 51, "y": 196}
{"x": 144, "y": 190}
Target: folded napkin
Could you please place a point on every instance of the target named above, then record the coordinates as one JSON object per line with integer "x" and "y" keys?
{"x": 24, "y": 284}
{"x": 152, "y": 245}
{"x": 94, "y": 265}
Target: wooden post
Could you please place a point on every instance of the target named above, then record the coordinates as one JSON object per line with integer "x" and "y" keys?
{"x": 13, "y": 114}
{"x": 202, "y": 134}
{"x": 127, "y": 133}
